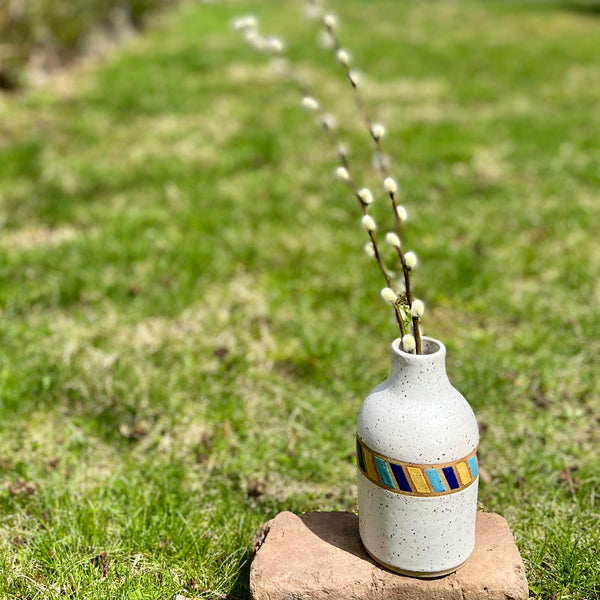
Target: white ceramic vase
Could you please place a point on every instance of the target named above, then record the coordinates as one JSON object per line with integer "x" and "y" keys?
{"x": 417, "y": 440}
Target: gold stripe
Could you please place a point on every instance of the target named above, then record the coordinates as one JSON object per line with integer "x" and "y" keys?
{"x": 369, "y": 465}
{"x": 418, "y": 480}
{"x": 464, "y": 473}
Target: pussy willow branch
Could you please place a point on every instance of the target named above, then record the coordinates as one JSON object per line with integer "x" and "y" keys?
{"x": 415, "y": 322}
{"x": 381, "y": 164}
{"x": 276, "y": 46}
{"x": 336, "y": 142}
{"x": 362, "y": 108}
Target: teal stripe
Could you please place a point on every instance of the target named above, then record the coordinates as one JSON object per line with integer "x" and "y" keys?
{"x": 386, "y": 478}
{"x": 473, "y": 466}
{"x": 436, "y": 480}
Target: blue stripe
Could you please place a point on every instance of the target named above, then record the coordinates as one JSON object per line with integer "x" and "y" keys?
{"x": 436, "y": 480}
{"x": 359, "y": 456}
{"x": 451, "y": 478}
{"x": 384, "y": 473}
{"x": 401, "y": 478}
{"x": 473, "y": 466}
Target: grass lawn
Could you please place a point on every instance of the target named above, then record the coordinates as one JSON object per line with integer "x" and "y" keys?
{"x": 189, "y": 323}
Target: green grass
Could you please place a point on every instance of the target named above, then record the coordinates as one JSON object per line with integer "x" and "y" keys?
{"x": 189, "y": 323}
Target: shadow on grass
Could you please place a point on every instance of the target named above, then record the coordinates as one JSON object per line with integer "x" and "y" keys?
{"x": 586, "y": 8}
{"x": 240, "y": 589}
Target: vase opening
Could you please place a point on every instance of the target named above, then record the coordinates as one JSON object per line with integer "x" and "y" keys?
{"x": 429, "y": 346}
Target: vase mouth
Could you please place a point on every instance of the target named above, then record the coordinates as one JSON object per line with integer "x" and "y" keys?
{"x": 430, "y": 347}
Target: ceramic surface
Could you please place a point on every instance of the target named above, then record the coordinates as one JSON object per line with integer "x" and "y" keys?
{"x": 417, "y": 467}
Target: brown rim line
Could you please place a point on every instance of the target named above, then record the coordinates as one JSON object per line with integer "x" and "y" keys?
{"x": 416, "y": 574}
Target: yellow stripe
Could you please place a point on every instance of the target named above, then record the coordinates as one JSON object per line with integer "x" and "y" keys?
{"x": 418, "y": 480}
{"x": 369, "y": 466}
{"x": 463, "y": 472}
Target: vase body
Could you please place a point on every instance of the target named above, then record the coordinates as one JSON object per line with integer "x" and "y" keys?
{"x": 417, "y": 475}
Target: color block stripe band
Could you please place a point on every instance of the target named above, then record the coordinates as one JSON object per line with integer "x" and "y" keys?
{"x": 416, "y": 480}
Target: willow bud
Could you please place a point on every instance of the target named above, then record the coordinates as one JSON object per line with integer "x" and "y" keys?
{"x": 389, "y": 295}
{"x": 365, "y": 196}
{"x": 377, "y": 131}
{"x": 343, "y": 57}
{"x": 411, "y": 260}
{"x": 402, "y": 214}
{"x": 417, "y": 309}
{"x": 370, "y": 250}
{"x": 330, "y": 21}
{"x": 393, "y": 240}
{"x": 309, "y": 103}
{"x": 408, "y": 342}
{"x": 368, "y": 223}
{"x": 342, "y": 173}
{"x": 390, "y": 185}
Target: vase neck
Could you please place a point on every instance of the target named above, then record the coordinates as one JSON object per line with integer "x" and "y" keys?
{"x": 425, "y": 369}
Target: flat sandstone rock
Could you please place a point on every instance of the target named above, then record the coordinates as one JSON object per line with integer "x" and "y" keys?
{"x": 319, "y": 556}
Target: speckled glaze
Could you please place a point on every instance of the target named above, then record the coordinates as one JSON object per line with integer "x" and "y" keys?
{"x": 416, "y": 422}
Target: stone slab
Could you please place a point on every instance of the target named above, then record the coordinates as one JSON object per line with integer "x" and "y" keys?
{"x": 319, "y": 556}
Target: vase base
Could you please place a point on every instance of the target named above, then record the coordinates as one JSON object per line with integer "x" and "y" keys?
{"x": 417, "y": 574}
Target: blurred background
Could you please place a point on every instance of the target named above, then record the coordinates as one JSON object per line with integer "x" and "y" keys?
{"x": 189, "y": 323}
{"x": 40, "y": 36}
